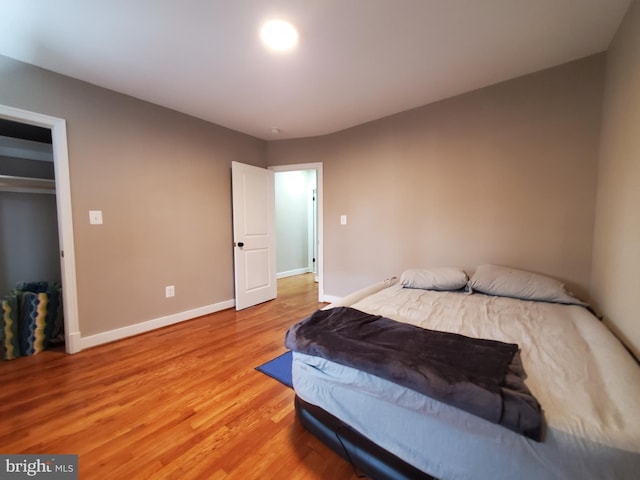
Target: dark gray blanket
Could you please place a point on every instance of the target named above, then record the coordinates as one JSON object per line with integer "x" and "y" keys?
{"x": 482, "y": 377}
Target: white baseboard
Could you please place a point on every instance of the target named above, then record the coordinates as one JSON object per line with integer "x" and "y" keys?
{"x": 330, "y": 298}
{"x": 130, "y": 330}
{"x": 73, "y": 342}
{"x": 291, "y": 273}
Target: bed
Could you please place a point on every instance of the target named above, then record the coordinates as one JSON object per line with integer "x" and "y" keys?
{"x": 586, "y": 383}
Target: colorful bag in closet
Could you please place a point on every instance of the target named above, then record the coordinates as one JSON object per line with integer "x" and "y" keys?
{"x": 40, "y": 321}
{"x": 9, "y": 346}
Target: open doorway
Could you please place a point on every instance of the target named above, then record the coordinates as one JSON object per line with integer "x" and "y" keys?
{"x": 295, "y": 212}
{"x": 61, "y": 185}
{"x": 298, "y": 190}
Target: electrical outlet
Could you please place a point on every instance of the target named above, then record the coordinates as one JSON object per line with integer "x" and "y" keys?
{"x": 170, "y": 291}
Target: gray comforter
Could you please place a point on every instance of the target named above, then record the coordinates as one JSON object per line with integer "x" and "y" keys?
{"x": 482, "y": 377}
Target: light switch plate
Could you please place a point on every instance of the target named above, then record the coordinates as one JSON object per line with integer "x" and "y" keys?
{"x": 343, "y": 219}
{"x": 95, "y": 217}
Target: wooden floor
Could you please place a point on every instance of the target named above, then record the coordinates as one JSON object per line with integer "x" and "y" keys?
{"x": 181, "y": 402}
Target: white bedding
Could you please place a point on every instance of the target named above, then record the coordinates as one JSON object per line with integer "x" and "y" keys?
{"x": 586, "y": 382}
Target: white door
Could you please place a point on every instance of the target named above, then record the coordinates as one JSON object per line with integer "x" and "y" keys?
{"x": 253, "y": 234}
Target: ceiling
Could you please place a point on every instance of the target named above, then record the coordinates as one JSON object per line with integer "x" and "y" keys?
{"x": 356, "y": 60}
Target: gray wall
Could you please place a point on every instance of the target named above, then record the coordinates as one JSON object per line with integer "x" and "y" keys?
{"x": 162, "y": 180}
{"x": 505, "y": 174}
{"x": 616, "y": 252}
{"x": 22, "y": 167}
{"x": 28, "y": 239}
{"x": 29, "y": 248}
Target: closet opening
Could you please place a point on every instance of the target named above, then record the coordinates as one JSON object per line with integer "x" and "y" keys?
{"x": 37, "y": 260}
{"x": 30, "y": 271}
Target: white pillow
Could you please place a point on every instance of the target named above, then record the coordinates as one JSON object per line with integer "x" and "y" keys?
{"x": 441, "y": 278}
{"x": 509, "y": 282}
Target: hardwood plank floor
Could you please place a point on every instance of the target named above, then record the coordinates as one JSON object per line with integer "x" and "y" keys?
{"x": 181, "y": 402}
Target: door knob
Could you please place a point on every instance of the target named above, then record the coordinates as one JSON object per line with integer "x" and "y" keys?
{"x": 240, "y": 244}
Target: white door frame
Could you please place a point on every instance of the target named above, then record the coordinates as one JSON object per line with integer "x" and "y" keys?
{"x": 317, "y": 166}
{"x": 58, "y": 128}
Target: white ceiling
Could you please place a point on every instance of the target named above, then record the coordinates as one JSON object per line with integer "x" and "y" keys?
{"x": 357, "y": 60}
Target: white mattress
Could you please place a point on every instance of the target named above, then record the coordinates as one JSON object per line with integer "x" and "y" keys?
{"x": 586, "y": 382}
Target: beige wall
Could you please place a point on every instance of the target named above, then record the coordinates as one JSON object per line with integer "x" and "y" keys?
{"x": 616, "y": 253}
{"x": 505, "y": 174}
{"x": 162, "y": 180}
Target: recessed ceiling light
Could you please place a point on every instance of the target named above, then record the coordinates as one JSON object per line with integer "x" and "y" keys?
{"x": 279, "y": 35}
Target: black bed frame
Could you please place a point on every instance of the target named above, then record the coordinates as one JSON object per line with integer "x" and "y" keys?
{"x": 365, "y": 456}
